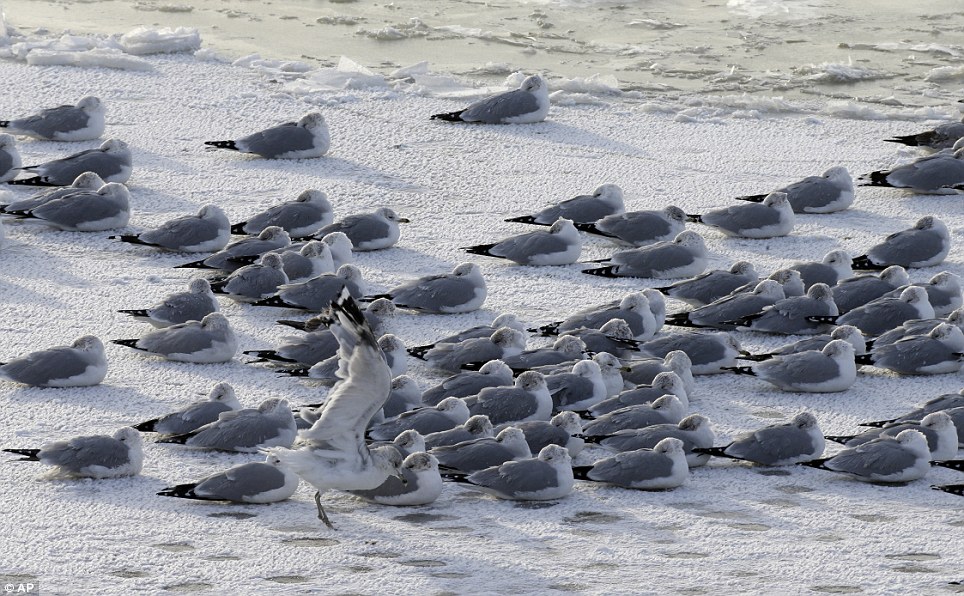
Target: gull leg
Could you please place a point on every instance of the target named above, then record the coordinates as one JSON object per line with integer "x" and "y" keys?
{"x": 321, "y": 511}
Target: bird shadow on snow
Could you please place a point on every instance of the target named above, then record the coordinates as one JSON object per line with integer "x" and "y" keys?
{"x": 327, "y": 168}
{"x": 566, "y": 134}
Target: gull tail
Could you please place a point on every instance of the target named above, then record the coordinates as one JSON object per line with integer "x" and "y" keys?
{"x": 217, "y": 287}
{"x": 594, "y": 439}
{"x": 878, "y": 423}
{"x": 245, "y": 259}
{"x": 526, "y": 219}
{"x": 474, "y": 366}
{"x": 590, "y": 228}
{"x": 752, "y": 198}
{"x": 266, "y": 355}
{"x": 222, "y": 145}
{"x": 842, "y": 439}
{"x": 864, "y": 359}
{"x": 746, "y": 321}
{"x": 374, "y": 297}
{"x": 449, "y": 116}
{"x": 4, "y": 123}
{"x": 277, "y": 301}
{"x": 480, "y": 249}
{"x": 195, "y": 265}
{"x": 694, "y": 218}
{"x": 863, "y": 263}
{"x": 135, "y": 313}
{"x": 294, "y": 372}
{"x": 912, "y": 140}
{"x": 147, "y": 426}
{"x": 299, "y": 325}
{"x": 715, "y": 452}
{"x": 130, "y": 343}
{"x": 420, "y": 351}
{"x": 35, "y": 181}
{"x": 754, "y": 357}
{"x": 819, "y": 464}
{"x": 681, "y": 319}
{"x": 176, "y": 439}
{"x": 582, "y": 473}
{"x": 608, "y": 271}
{"x": 182, "y": 491}
{"x": 954, "y": 489}
{"x": 547, "y": 330}
{"x": 130, "y": 238}
{"x": 826, "y": 319}
{"x": 740, "y": 370}
{"x": 238, "y": 228}
{"x": 953, "y": 464}
{"x": 28, "y": 454}
{"x": 876, "y": 178}
{"x": 454, "y": 476}
{"x": 583, "y": 414}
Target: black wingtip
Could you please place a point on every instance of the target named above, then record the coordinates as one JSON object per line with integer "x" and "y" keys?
{"x": 547, "y": 330}
{"x": 864, "y": 359}
{"x": 740, "y": 370}
{"x": 680, "y": 319}
{"x": 129, "y": 343}
{"x": 453, "y": 476}
{"x": 130, "y": 239}
{"x": 420, "y": 351}
{"x": 4, "y": 123}
{"x": 816, "y": 463}
{"x": 276, "y": 301}
{"x": 194, "y": 265}
{"x": 877, "y": 423}
{"x": 954, "y": 489}
{"x": 715, "y": 451}
{"x": 525, "y": 219}
{"x": 35, "y": 181}
{"x": 751, "y": 198}
{"x": 907, "y": 140}
{"x": 181, "y": 491}
{"x": 951, "y": 464}
{"x": 876, "y": 178}
{"x": 608, "y": 271}
{"x": 755, "y": 357}
{"x": 147, "y": 426}
{"x": 480, "y": 249}
{"x": 582, "y": 473}
{"x": 135, "y": 313}
{"x": 238, "y": 228}
{"x": 265, "y": 355}
{"x": 299, "y": 325}
{"x": 593, "y": 439}
{"x": 293, "y": 372}
{"x": 863, "y": 263}
{"x": 222, "y": 144}
{"x": 842, "y": 439}
{"x": 448, "y": 116}
{"x": 824, "y": 319}
{"x": 694, "y": 218}
{"x": 474, "y": 366}
{"x": 176, "y": 439}
{"x": 28, "y": 454}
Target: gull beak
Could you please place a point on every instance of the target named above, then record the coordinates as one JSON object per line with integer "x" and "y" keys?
{"x": 404, "y": 220}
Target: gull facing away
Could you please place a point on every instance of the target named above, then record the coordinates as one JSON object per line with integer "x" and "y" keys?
{"x": 561, "y": 244}
{"x": 335, "y": 455}
{"x": 940, "y": 351}
{"x": 943, "y": 292}
{"x": 367, "y": 231}
{"x": 269, "y": 481}
{"x": 633, "y": 308}
{"x": 937, "y": 427}
{"x": 493, "y": 373}
{"x": 527, "y": 104}
{"x": 478, "y": 454}
{"x": 902, "y": 458}
{"x": 771, "y": 218}
{"x": 660, "y": 468}
{"x": 111, "y": 161}
{"x": 694, "y": 431}
{"x": 86, "y": 181}
{"x": 667, "y": 409}
{"x": 776, "y": 445}
{"x": 208, "y": 231}
{"x": 81, "y": 364}
{"x": 684, "y": 256}
{"x": 209, "y": 340}
{"x": 221, "y": 399}
{"x": 476, "y": 427}
{"x": 546, "y": 477}
{"x": 106, "y": 208}
{"x": 84, "y": 121}
{"x": 271, "y": 424}
{"x": 946, "y": 401}
{"x": 829, "y": 370}
{"x": 639, "y": 228}
{"x": 712, "y": 285}
{"x": 253, "y": 282}
{"x": 309, "y": 212}
{"x": 528, "y": 399}
{"x": 942, "y": 136}
{"x": 193, "y": 305}
{"x": 834, "y": 267}
{"x": 93, "y": 456}
{"x": 940, "y": 173}
{"x": 563, "y": 429}
{"x": 583, "y": 209}
{"x": 308, "y": 137}
{"x": 924, "y": 245}
{"x": 887, "y": 312}
{"x": 831, "y": 192}
{"x": 243, "y": 251}
{"x": 461, "y": 291}
{"x": 418, "y": 483}
{"x": 10, "y": 161}
{"x": 856, "y": 291}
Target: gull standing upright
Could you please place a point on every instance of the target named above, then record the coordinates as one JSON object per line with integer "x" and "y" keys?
{"x": 84, "y": 121}
{"x": 335, "y": 454}
{"x": 527, "y": 104}
{"x": 308, "y": 137}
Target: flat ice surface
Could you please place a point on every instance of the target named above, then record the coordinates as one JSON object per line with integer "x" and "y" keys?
{"x": 731, "y": 529}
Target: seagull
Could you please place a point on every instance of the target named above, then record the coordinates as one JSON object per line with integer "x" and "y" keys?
{"x": 221, "y": 399}
{"x": 638, "y": 228}
{"x": 404, "y": 396}
{"x": 565, "y": 349}
{"x": 208, "y": 231}
{"x": 578, "y": 389}
{"x": 937, "y": 427}
{"x": 326, "y": 370}
{"x": 308, "y": 137}
{"x": 943, "y": 292}
{"x": 10, "y": 161}
{"x": 561, "y": 244}
{"x": 503, "y": 320}
{"x": 940, "y": 351}
{"x": 829, "y": 370}
{"x": 106, "y": 208}
{"x": 84, "y": 121}
{"x": 831, "y": 192}
{"x": 209, "y": 340}
{"x": 615, "y": 337}
{"x": 633, "y": 308}
{"x": 234, "y": 255}
{"x": 660, "y": 468}
{"x": 606, "y": 200}
{"x": 847, "y": 333}
{"x": 336, "y": 455}
{"x": 902, "y": 458}
{"x": 94, "y": 456}
{"x": 85, "y": 181}
{"x": 81, "y": 364}
{"x": 461, "y": 291}
{"x": 694, "y": 431}
{"x": 253, "y": 282}
{"x": 726, "y": 312}
{"x": 193, "y": 305}
{"x": 310, "y": 211}
{"x": 367, "y": 231}
{"x": 885, "y": 313}
{"x": 317, "y": 293}
{"x": 111, "y": 161}
{"x": 917, "y": 327}
{"x": 527, "y": 104}
{"x": 269, "y": 481}
{"x": 418, "y": 483}
{"x": 777, "y": 445}
{"x": 504, "y": 342}
{"x": 493, "y": 373}
{"x": 939, "y": 173}
{"x": 708, "y": 352}
{"x": 667, "y": 409}
{"x": 478, "y": 454}
{"x": 248, "y": 430}
{"x": 684, "y": 256}
{"x": 340, "y": 247}
{"x": 793, "y": 316}
{"x": 856, "y": 291}
{"x": 476, "y": 427}
{"x": 309, "y": 261}
{"x": 942, "y": 136}
{"x": 924, "y": 245}
{"x": 665, "y": 383}
{"x": 711, "y": 286}
{"x": 546, "y": 477}
{"x": 942, "y": 402}
{"x": 834, "y": 267}
{"x": 563, "y": 429}
{"x": 528, "y": 399}
{"x": 449, "y": 413}
{"x": 643, "y": 372}
{"x": 773, "y": 217}
{"x": 789, "y": 280}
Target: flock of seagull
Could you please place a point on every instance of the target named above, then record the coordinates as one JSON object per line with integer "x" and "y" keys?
{"x": 507, "y": 421}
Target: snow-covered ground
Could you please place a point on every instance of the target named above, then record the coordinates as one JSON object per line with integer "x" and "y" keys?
{"x": 732, "y": 529}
